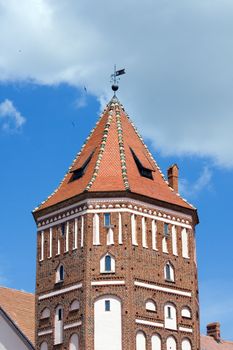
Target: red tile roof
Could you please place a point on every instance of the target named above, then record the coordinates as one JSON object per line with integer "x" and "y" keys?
{"x": 209, "y": 343}
{"x": 20, "y": 307}
{"x": 112, "y": 166}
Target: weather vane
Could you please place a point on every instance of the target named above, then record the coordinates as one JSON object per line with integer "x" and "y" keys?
{"x": 115, "y": 80}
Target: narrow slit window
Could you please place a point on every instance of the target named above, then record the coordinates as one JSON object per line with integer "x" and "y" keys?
{"x": 145, "y": 172}
{"x": 107, "y": 220}
{"x": 107, "y": 305}
{"x": 166, "y": 230}
{"x": 78, "y": 173}
{"x": 169, "y": 314}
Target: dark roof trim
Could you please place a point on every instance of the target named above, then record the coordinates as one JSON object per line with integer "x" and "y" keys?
{"x": 12, "y": 324}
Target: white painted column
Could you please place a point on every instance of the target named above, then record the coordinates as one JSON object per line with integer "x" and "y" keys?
{"x": 67, "y": 237}
{"x": 154, "y": 235}
{"x": 50, "y": 242}
{"x": 42, "y": 246}
{"x": 82, "y": 231}
{"x": 133, "y": 230}
{"x": 185, "y": 249}
{"x": 96, "y": 229}
{"x": 75, "y": 238}
{"x": 120, "y": 238}
{"x": 174, "y": 240}
{"x": 144, "y": 233}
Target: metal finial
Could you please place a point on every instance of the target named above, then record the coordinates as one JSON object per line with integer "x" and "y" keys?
{"x": 116, "y": 80}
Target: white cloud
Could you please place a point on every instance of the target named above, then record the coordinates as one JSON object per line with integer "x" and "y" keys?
{"x": 10, "y": 116}
{"x": 178, "y": 57}
{"x": 193, "y": 189}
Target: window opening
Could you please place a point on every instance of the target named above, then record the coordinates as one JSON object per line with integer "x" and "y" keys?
{"x": 59, "y": 314}
{"x": 107, "y": 305}
{"x": 107, "y": 220}
{"x": 63, "y": 227}
{"x": 61, "y": 272}
{"x": 169, "y": 313}
{"x": 78, "y": 173}
{"x": 108, "y": 263}
{"x": 166, "y": 230}
{"x": 145, "y": 172}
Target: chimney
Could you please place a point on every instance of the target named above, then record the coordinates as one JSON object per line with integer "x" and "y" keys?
{"x": 172, "y": 175}
{"x": 213, "y": 330}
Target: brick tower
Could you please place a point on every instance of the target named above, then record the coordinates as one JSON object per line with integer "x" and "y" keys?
{"x": 116, "y": 261}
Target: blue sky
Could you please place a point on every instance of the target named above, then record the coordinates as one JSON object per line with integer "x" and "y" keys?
{"x": 178, "y": 90}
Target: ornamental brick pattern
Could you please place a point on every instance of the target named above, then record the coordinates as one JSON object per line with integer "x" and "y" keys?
{"x": 112, "y": 184}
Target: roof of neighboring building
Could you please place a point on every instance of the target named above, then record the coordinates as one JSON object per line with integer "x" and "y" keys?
{"x": 20, "y": 307}
{"x": 209, "y": 343}
{"x": 112, "y": 166}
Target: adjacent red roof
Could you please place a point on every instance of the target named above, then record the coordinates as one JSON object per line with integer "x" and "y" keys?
{"x": 112, "y": 166}
{"x": 20, "y": 307}
{"x": 209, "y": 343}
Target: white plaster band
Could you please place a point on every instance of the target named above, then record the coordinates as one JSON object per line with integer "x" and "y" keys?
{"x": 112, "y": 210}
{"x": 72, "y": 325}
{"x": 107, "y": 283}
{"x": 114, "y": 201}
{"x": 49, "y": 331}
{"x": 163, "y": 289}
{"x": 149, "y": 323}
{"x": 184, "y": 329}
{"x": 61, "y": 291}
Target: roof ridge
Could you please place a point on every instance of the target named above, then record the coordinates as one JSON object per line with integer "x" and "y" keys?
{"x": 17, "y": 290}
{"x": 101, "y": 149}
{"x": 122, "y": 148}
{"x": 75, "y": 159}
{"x": 153, "y": 160}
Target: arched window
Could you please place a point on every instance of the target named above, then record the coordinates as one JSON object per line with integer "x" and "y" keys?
{"x": 140, "y": 341}
{"x": 60, "y": 274}
{"x": 58, "y": 326}
{"x": 44, "y": 346}
{"x": 108, "y": 323}
{"x": 156, "y": 342}
{"x": 171, "y": 343}
{"x": 170, "y": 316}
{"x": 150, "y": 305}
{"x": 74, "y": 343}
{"x": 74, "y": 305}
{"x": 186, "y": 312}
{"x": 45, "y": 313}
{"x": 169, "y": 272}
{"x": 186, "y": 344}
{"x": 107, "y": 264}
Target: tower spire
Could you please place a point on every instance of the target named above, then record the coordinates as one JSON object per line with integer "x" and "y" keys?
{"x": 115, "y": 80}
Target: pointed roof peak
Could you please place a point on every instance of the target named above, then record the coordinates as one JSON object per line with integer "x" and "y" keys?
{"x": 114, "y": 158}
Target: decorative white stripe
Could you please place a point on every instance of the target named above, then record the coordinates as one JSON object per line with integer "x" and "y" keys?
{"x": 49, "y": 331}
{"x": 117, "y": 210}
{"x": 149, "y": 323}
{"x": 163, "y": 289}
{"x": 184, "y": 329}
{"x": 61, "y": 291}
{"x": 107, "y": 283}
{"x": 71, "y": 325}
